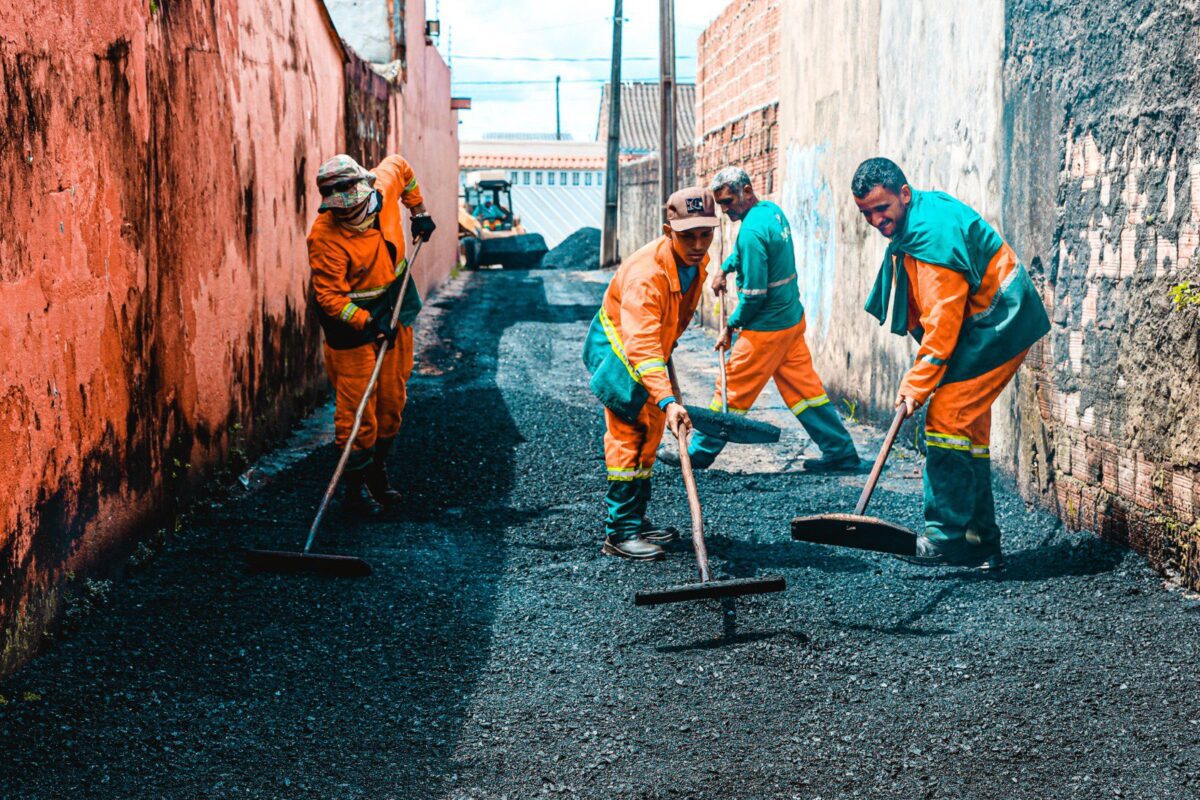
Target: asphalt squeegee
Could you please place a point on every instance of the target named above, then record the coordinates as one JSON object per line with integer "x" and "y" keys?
{"x": 856, "y": 530}
{"x": 307, "y": 561}
{"x": 707, "y": 587}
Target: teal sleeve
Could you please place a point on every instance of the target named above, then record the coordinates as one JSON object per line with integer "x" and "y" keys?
{"x": 751, "y": 252}
{"x": 666, "y": 401}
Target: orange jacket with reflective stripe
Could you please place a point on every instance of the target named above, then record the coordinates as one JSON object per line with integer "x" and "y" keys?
{"x": 939, "y": 300}
{"x": 646, "y": 310}
{"x": 349, "y": 265}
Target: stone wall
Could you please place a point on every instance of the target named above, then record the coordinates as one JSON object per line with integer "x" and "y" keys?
{"x": 1070, "y": 127}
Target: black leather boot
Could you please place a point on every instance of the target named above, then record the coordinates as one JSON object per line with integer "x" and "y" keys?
{"x": 376, "y": 475}
{"x": 354, "y": 501}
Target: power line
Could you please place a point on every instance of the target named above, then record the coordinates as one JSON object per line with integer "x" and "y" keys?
{"x": 565, "y": 80}
{"x": 555, "y": 59}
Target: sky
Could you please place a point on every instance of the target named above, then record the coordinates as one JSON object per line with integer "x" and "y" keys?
{"x": 481, "y": 39}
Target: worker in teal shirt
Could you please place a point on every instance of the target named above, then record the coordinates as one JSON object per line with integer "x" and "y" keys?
{"x": 770, "y": 318}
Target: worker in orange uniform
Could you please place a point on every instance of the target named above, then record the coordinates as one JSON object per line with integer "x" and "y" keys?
{"x": 961, "y": 292}
{"x": 770, "y": 318}
{"x": 356, "y": 252}
{"x": 646, "y": 308}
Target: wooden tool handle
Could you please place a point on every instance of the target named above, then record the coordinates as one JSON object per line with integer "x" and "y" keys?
{"x": 689, "y": 483}
{"x": 721, "y": 356}
{"x": 879, "y": 461}
{"x": 362, "y": 405}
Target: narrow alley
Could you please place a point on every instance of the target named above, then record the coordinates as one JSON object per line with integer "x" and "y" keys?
{"x": 495, "y": 653}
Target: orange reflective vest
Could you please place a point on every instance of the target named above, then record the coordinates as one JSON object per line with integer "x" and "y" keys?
{"x": 352, "y": 271}
{"x": 644, "y": 313}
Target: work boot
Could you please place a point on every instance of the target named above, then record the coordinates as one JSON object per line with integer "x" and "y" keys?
{"x": 670, "y": 456}
{"x": 376, "y": 475}
{"x": 957, "y": 553}
{"x": 354, "y": 501}
{"x": 659, "y": 535}
{"x": 850, "y": 463}
{"x": 634, "y": 549}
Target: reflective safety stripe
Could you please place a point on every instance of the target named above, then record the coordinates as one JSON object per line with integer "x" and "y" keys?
{"x": 981, "y": 451}
{"x": 621, "y": 474}
{"x": 947, "y": 442}
{"x": 811, "y": 402}
{"x": 770, "y": 286}
{"x": 715, "y": 405}
{"x": 400, "y": 267}
{"x": 368, "y": 294}
{"x": 614, "y": 341}
{"x": 411, "y": 185}
{"x": 643, "y": 473}
{"x": 937, "y": 362}
{"x": 648, "y": 366}
{"x": 348, "y": 312}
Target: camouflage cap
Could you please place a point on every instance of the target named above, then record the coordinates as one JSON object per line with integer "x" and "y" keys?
{"x": 343, "y": 183}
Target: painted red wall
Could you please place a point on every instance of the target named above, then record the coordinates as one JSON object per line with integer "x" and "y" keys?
{"x": 427, "y": 137}
{"x": 159, "y": 170}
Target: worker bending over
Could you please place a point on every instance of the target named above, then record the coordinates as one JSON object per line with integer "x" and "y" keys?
{"x": 961, "y": 292}
{"x": 771, "y": 343}
{"x": 646, "y": 308}
{"x": 356, "y": 252}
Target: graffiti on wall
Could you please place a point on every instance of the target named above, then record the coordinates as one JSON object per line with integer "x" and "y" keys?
{"x": 808, "y": 201}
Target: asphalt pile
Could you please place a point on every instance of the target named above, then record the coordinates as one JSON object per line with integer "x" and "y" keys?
{"x": 579, "y": 251}
{"x": 495, "y": 653}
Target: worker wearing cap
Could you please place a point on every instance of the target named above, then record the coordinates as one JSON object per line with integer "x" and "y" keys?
{"x": 646, "y": 308}
{"x": 771, "y": 322}
{"x": 356, "y": 253}
{"x": 959, "y": 289}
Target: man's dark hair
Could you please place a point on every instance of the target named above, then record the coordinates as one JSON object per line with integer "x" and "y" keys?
{"x": 877, "y": 172}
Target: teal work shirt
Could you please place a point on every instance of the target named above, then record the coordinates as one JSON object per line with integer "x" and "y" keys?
{"x": 765, "y": 263}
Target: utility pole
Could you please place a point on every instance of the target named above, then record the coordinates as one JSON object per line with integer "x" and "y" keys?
{"x": 608, "y": 246}
{"x": 666, "y": 102}
{"x": 557, "y": 110}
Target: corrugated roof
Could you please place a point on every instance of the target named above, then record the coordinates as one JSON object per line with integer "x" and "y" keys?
{"x": 549, "y": 161}
{"x": 558, "y": 211}
{"x": 531, "y": 154}
{"x": 639, "y": 116}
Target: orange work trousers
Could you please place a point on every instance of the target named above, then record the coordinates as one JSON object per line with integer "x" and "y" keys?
{"x": 630, "y": 447}
{"x": 349, "y": 371}
{"x": 758, "y": 356}
{"x": 959, "y": 504}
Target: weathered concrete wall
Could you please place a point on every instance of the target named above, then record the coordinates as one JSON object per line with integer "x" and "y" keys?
{"x": 427, "y": 136}
{"x": 867, "y": 78}
{"x": 153, "y": 274}
{"x": 1070, "y": 127}
{"x": 153, "y": 269}
{"x": 366, "y": 25}
{"x": 1102, "y": 196}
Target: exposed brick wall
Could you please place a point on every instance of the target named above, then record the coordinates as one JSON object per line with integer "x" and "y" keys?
{"x": 1103, "y": 200}
{"x": 639, "y": 213}
{"x": 737, "y": 91}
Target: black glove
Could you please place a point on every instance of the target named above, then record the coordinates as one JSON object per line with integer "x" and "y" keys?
{"x": 422, "y": 227}
{"x": 382, "y": 326}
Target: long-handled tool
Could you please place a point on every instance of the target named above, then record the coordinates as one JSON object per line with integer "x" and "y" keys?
{"x": 324, "y": 563}
{"x": 855, "y": 530}
{"x": 707, "y": 587}
{"x": 726, "y": 426}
